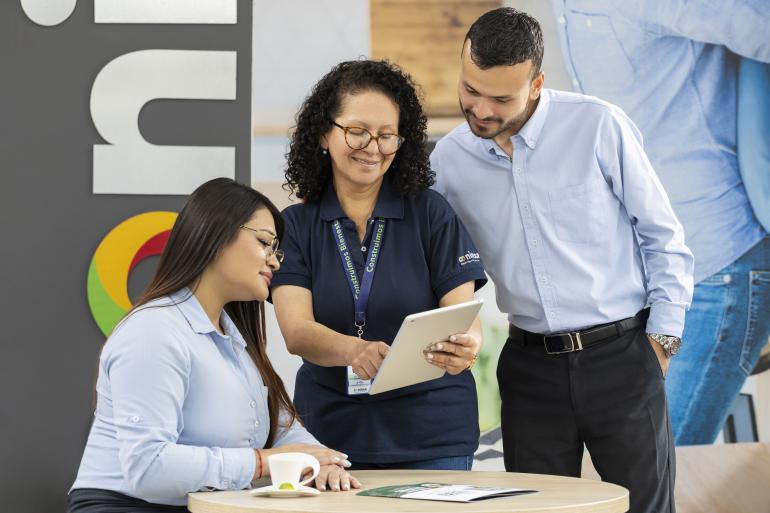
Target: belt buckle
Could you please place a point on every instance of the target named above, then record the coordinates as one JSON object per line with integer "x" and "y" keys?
{"x": 572, "y": 349}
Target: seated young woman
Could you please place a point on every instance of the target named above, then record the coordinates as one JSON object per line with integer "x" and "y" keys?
{"x": 187, "y": 399}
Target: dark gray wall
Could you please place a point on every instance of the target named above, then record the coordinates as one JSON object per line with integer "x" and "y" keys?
{"x": 50, "y": 222}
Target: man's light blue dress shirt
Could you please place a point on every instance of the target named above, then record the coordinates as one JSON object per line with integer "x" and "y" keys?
{"x": 565, "y": 225}
{"x": 684, "y": 101}
{"x": 180, "y": 407}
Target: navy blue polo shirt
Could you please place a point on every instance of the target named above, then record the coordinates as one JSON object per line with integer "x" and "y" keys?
{"x": 426, "y": 252}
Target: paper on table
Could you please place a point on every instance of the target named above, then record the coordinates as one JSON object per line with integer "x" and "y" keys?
{"x": 444, "y": 492}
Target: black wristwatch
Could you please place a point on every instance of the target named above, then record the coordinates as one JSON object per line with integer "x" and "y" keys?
{"x": 671, "y": 345}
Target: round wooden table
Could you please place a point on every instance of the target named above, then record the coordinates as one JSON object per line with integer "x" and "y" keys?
{"x": 555, "y": 494}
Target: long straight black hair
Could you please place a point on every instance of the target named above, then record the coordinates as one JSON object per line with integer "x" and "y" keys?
{"x": 209, "y": 222}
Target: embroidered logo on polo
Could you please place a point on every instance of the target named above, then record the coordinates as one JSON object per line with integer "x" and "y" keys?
{"x": 468, "y": 258}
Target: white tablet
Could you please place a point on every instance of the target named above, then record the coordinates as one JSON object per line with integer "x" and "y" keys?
{"x": 405, "y": 363}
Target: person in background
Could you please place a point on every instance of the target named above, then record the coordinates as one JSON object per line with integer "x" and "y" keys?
{"x": 672, "y": 65}
{"x": 579, "y": 238}
{"x": 187, "y": 399}
{"x": 369, "y": 245}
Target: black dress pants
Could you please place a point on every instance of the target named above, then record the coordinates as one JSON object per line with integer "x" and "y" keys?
{"x": 609, "y": 397}
{"x": 92, "y": 500}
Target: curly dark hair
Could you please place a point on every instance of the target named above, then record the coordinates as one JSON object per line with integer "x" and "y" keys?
{"x": 308, "y": 170}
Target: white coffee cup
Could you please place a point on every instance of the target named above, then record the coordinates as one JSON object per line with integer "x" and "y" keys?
{"x": 287, "y": 468}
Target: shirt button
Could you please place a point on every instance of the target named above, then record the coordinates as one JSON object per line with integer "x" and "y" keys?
{"x": 253, "y": 404}
{"x": 575, "y": 82}
{"x": 363, "y": 248}
{"x": 135, "y": 418}
{"x": 535, "y": 242}
{"x": 256, "y": 423}
{"x": 589, "y": 23}
{"x": 251, "y": 440}
{"x": 727, "y": 278}
{"x": 562, "y": 20}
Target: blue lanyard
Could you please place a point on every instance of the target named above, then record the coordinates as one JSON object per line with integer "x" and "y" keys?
{"x": 360, "y": 290}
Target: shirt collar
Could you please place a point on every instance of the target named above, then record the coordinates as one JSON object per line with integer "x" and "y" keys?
{"x": 531, "y": 130}
{"x": 390, "y": 202}
{"x": 196, "y": 317}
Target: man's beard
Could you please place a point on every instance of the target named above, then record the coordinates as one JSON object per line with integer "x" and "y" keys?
{"x": 513, "y": 125}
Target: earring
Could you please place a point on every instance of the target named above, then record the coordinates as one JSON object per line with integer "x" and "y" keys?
{"x": 325, "y": 151}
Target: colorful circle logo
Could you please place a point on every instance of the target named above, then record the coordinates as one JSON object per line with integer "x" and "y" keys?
{"x": 126, "y": 245}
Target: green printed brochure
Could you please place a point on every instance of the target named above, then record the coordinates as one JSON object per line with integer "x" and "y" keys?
{"x": 443, "y": 492}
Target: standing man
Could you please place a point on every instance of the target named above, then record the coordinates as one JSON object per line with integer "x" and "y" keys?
{"x": 672, "y": 66}
{"x": 579, "y": 237}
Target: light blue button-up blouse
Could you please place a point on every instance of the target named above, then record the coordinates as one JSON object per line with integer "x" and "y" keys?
{"x": 180, "y": 407}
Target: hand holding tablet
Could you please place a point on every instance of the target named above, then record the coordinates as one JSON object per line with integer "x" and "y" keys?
{"x": 406, "y": 364}
{"x": 455, "y": 355}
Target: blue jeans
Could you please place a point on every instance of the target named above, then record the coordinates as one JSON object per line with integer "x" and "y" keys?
{"x": 448, "y": 463}
{"x": 726, "y": 327}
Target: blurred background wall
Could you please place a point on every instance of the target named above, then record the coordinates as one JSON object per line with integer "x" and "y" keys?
{"x": 52, "y": 220}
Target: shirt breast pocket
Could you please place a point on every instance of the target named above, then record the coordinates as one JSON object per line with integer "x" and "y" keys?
{"x": 581, "y": 213}
{"x": 600, "y": 61}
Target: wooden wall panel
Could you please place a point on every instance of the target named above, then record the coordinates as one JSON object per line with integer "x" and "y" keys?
{"x": 425, "y": 37}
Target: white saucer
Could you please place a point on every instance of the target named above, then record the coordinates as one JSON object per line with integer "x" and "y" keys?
{"x": 274, "y": 491}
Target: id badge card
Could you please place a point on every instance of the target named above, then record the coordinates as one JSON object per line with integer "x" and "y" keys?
{"x": 356, "y": 384}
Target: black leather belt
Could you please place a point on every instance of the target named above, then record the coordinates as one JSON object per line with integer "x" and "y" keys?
{"x": 559, "y": 343}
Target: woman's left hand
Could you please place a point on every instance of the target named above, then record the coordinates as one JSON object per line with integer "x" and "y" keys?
{"x": 456, "y": 354}
{"x": 335, "y": 478}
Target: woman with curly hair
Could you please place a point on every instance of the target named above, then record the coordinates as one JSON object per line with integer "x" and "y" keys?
{"x": 370, "y": 244}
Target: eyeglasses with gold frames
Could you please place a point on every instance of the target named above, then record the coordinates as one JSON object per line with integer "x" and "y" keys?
{"x": 358, "y": 138}
{"x": 270, "y": 245}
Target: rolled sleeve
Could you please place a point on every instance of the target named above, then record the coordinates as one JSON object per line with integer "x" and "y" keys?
{"x": 666, "y": 319}
{"x": 238, "y": 465}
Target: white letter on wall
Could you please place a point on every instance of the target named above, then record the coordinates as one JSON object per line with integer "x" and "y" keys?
{"x": 130, "y": 164}
{"x": 166, "y": 11}
{"x": 48, "y": 12}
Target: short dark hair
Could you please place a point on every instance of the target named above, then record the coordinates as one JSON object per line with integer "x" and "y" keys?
{"x": 308, "y": 169}
{"x": 504, "y": 37}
